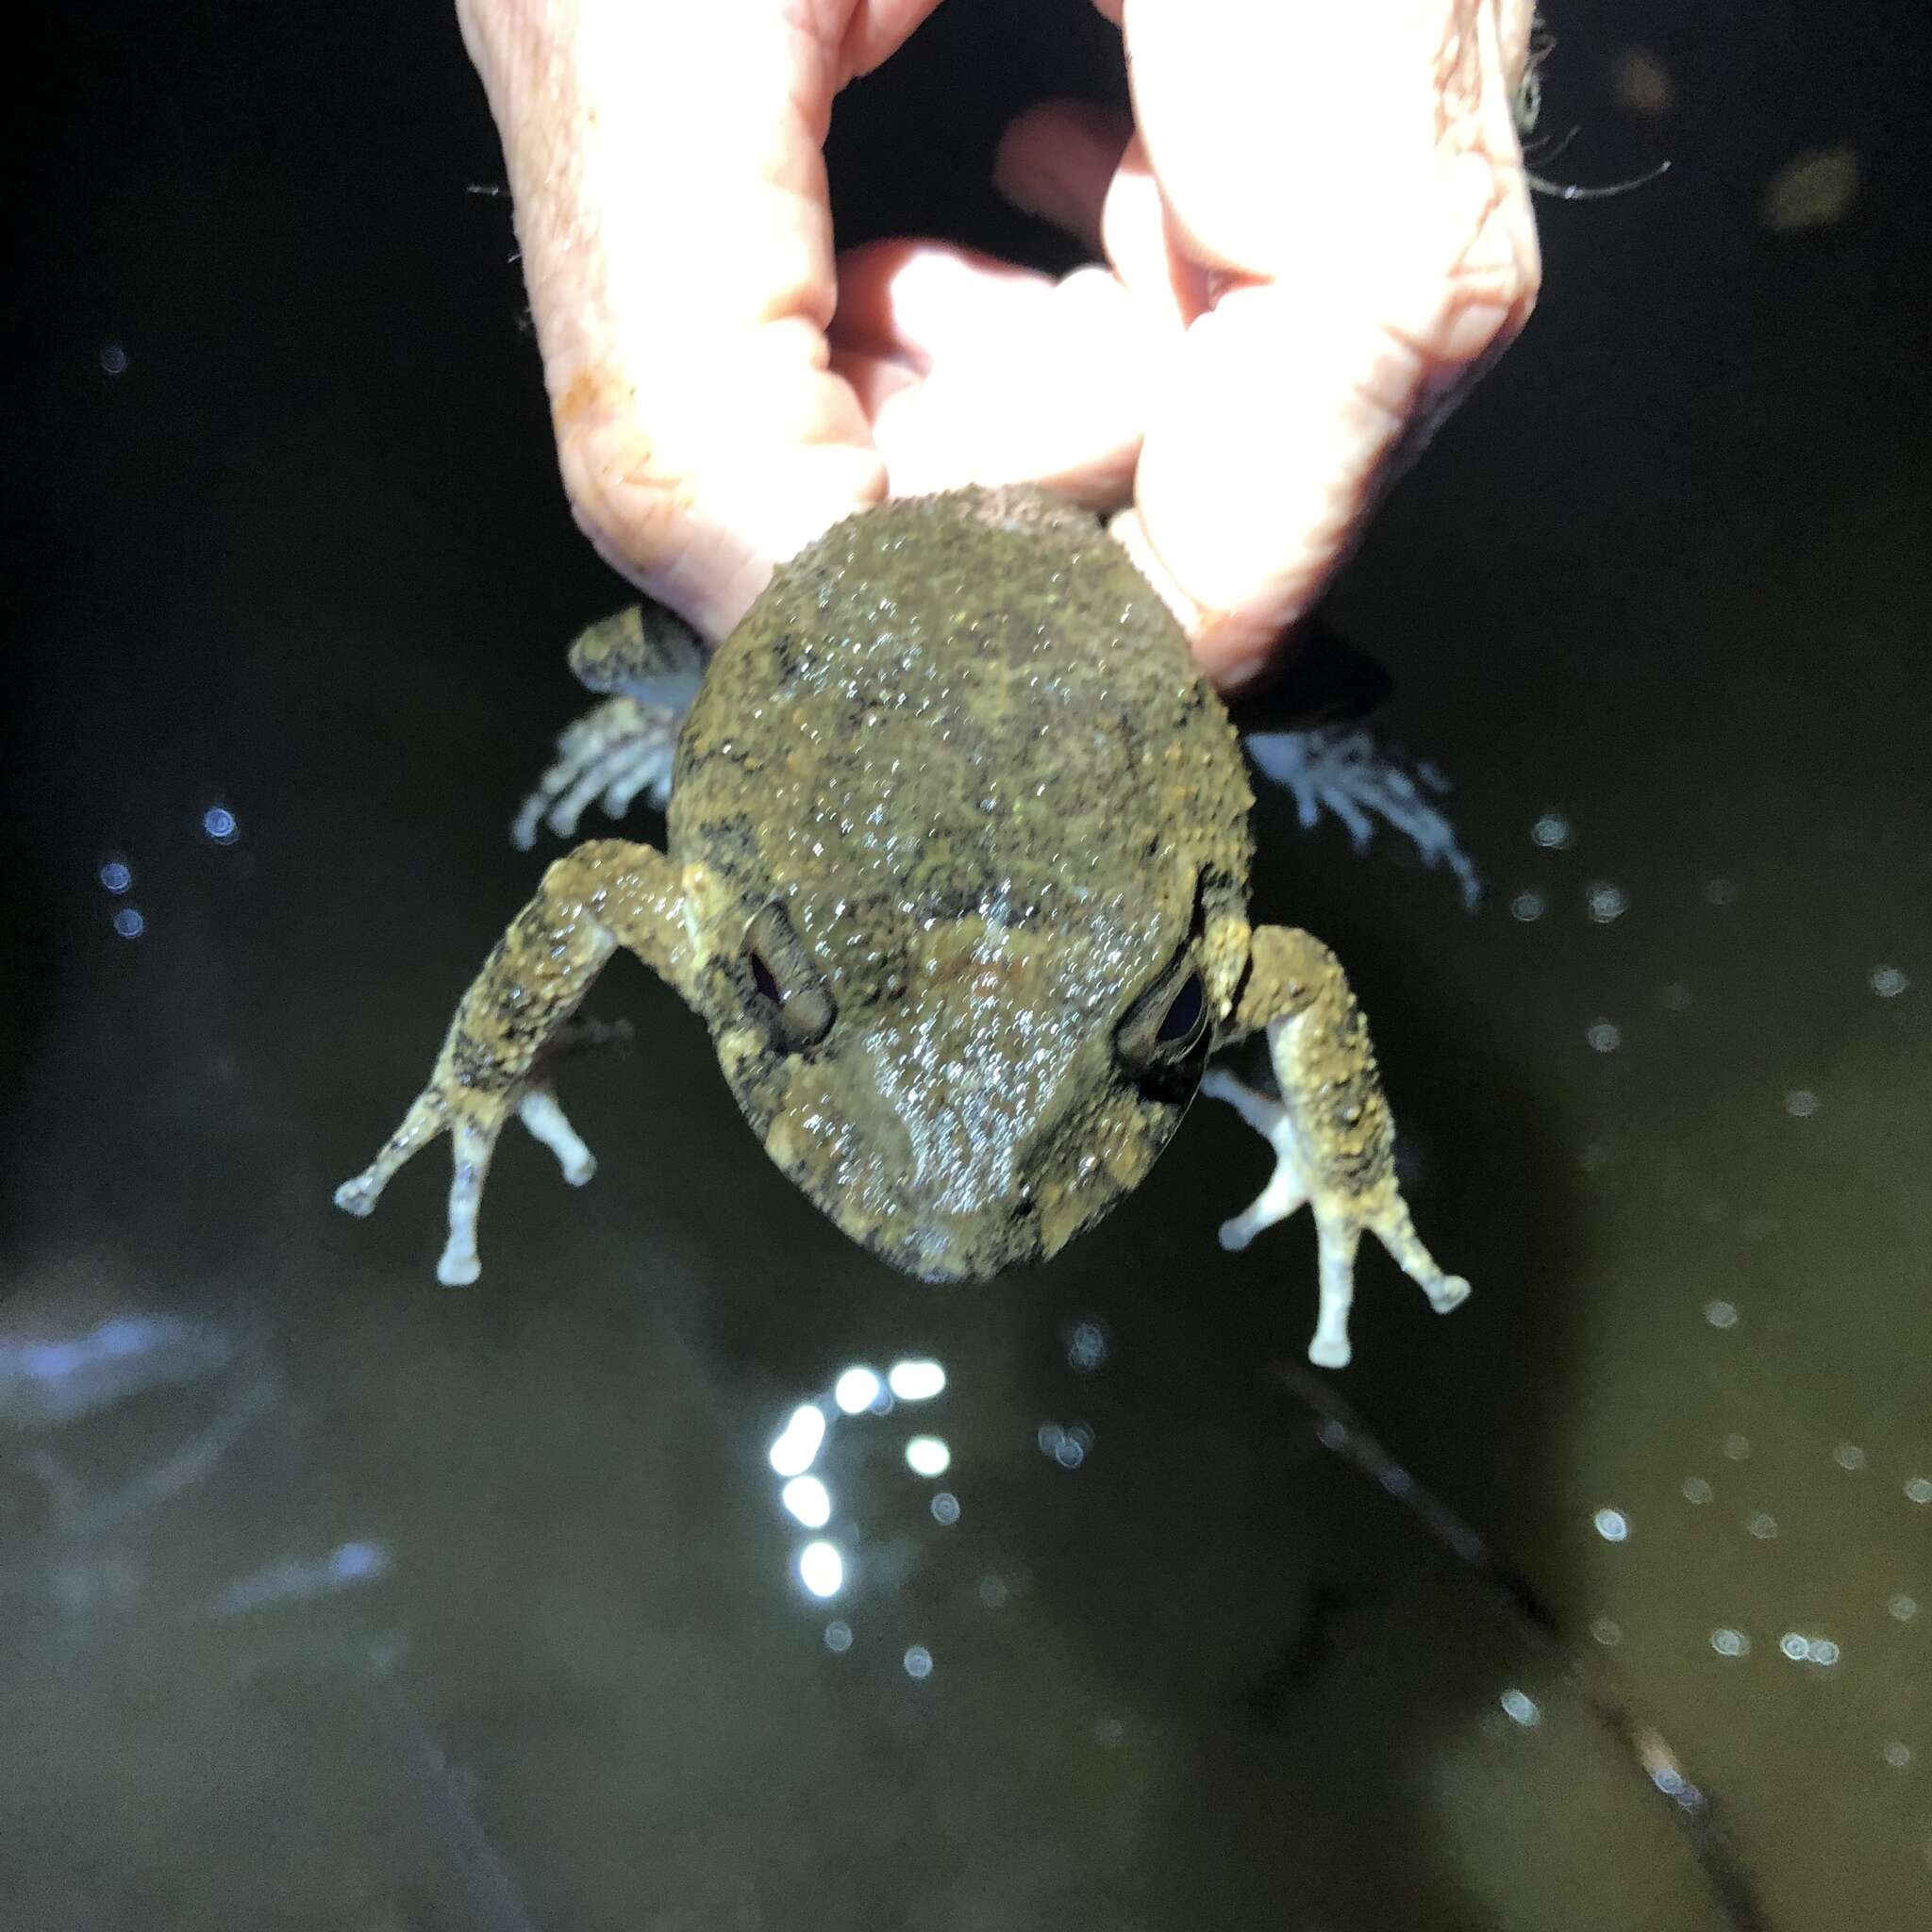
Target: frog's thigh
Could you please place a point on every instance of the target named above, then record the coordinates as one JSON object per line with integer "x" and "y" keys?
{"x": 1334, "y": 1141}
{"x": 512, "y": 1020}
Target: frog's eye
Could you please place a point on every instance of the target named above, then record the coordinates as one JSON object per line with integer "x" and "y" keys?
{"x": 1161, "y": 1039}
{"x": 782, "y": 986}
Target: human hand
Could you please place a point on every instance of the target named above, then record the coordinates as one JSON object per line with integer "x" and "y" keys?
{"x": 1316, "y": 233}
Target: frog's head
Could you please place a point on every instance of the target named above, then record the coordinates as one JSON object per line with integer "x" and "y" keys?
{"x": 985, "y": 1084}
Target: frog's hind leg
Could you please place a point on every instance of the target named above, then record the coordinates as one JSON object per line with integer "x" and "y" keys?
{"x": 1333, "y": 1138}
{"x": 652, "y": 663}
{"x": 515, "y": 1021}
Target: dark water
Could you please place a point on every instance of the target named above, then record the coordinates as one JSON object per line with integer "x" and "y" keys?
{"x": 331, "y": 1598}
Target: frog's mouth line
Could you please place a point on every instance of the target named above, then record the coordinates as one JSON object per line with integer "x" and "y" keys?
{"x": 1011, "y": 1241}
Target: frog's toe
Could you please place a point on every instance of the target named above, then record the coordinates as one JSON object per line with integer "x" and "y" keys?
{"x": 1331, "y": 1351}
{"x": 458, "y": 1266}
{"x": 472, "y": 1145}
{"x": 358, "y": 1196}
{"x": 473, "y": 1140}
{"x": 1450, "y": 1293}
{"x": 541, "y": 1112}
{"x": 425, "y": 1119}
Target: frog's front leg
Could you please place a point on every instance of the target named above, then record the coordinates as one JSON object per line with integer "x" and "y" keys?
{"x": 512, "y": 1023}
{"x": 1333, "y": 1138}
{"x": 651, "y": 663}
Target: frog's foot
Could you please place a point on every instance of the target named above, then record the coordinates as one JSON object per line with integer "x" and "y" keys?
{"x": 620, "y": 749}
{"x": 518, "y": 1017}
{"x": 473, "y": 1121}
{"x": 1346, "y": 772}
{"x": 1341, "y": 1218}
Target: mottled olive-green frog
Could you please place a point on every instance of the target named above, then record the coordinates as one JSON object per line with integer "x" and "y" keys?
{"x": 955, "y": 871}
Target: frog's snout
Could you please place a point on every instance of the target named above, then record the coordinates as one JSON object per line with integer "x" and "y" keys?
{"x": 930, "y": 1169}
{"x": 968, "y": 1247}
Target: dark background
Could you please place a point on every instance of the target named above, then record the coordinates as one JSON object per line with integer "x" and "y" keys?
{"x": 304, "y": 558}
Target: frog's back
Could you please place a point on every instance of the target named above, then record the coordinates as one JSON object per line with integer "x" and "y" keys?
{"x": 968, "y": 693}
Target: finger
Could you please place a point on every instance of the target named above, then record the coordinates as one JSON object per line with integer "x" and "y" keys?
{"x": 1056, "y": 160}
{"x": 973, "y": 371}
{"x": 1351, "y": 176}
{"x": 671, "y": 210}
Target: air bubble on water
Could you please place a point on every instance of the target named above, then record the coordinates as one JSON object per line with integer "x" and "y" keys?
{"x": 1607, "y": 1631}
{"x": 1801, "y": 1103}
{"x": 838, "y": 1636}
{"x": 1605, "y": 902}
{"x": 1696, "y": 1490}
{"x": 1918, "y": 1488}
{"x": 994, "y": 1591}
{"x": 1729, "y": 1643}
{"x": 130, "y": 923}
{"x": 1737, "y": 1448}
{"x": 1763, "y": 1525}
{"x": 1605, "y": 1036}
{"x": 1720, "y": 1314}
{"x": 1611, "y": 1524}
{"x": 115, "y": 876}
{"x": 1552, "y": 831}
{"x": 1332, "y": 1432}
{"x": 1903, "y": 1607}
{"x": 945, "y": 1508}
{"x": 1898, "y": 1754}
{"x": 1086, "y": 1347}
{"x": 1527, "y": 906}
{"x": 1109, "y": 1731}
{"x": 929, "y": 1455}
{"x": 1808, "y": 1650}
{"x": 218, "y": 823}
{"x": 1521, "y": 1708}
{"x": 113, "y": 359}
{"x": 1848, "y": 1455}
{"x": 1720, "y": 892}
{"x": 1888, "y": 982}
{"x": 918, "y": 1661}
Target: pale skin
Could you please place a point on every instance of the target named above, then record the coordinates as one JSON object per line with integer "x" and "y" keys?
{"x": 1314, "y": 233}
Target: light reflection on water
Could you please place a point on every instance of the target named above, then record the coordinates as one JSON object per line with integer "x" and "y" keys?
{"x": 859, "y": 1399}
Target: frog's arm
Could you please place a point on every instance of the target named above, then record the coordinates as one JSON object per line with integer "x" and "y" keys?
{"x": 652, "y": 663}
{"x": 512, "y": 1022}
{"x": 1333, "y": 1138}
{"x": 1346, "y": 770}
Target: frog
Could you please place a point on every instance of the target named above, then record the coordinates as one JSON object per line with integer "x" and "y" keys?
{"x": 955, "y": 873}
